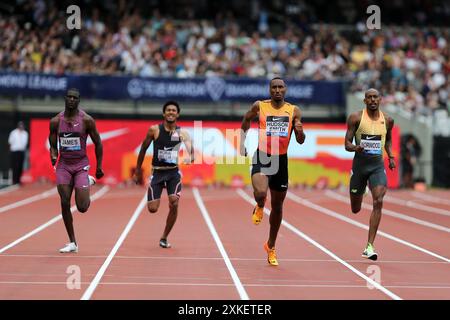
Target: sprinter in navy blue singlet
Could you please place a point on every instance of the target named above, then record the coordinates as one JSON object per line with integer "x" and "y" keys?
{"x": 167, "y": 138}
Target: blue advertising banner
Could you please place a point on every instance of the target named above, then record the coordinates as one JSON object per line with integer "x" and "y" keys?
{"x": 210, "y": 89}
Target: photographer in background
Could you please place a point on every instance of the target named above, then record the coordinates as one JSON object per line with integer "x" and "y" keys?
{"x": 18, "y": 142}
{"x": 411, "y": 151}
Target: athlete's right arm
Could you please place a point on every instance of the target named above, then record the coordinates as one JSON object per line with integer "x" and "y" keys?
{"x": 145, "y": 144}
{"x": 350, "y": 134}
{"x": 53, "y": 140}
{"x": 246, "y": 122}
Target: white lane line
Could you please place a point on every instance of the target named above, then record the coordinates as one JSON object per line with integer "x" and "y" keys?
{"x": 94, "y": 197}
{"x": 237, "y": 282}
{"x": 28, "y": 200}
{"x": 37, "y": 256}
{"x": 339, "y": 216}
{"x": 413, "y": 204}
{"x": 392, "y": 295}
{"x": 430, "y": 198}
{"x": 94, "y": 283}
{"x": 9, "y": 189}
{"x": 391, "y": 213}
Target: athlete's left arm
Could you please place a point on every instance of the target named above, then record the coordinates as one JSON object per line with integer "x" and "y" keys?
{"x": 298, "y": 127}
{"x": 91, "y": 129}
{"x": 388, "y": 142}
{"x": 186, "y": 138}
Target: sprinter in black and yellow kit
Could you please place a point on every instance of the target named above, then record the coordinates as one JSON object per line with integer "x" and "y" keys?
{"x": 277, "y": 120}
{"x": 167, "y": 138}
{"x": 372, "y": 131}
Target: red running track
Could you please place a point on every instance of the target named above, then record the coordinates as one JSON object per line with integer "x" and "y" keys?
{"x": 217, "y": 252}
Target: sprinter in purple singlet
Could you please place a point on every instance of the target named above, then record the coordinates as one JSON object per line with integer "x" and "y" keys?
{"x": 70, "y": 129}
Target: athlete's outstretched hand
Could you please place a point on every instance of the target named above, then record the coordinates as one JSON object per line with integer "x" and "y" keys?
{"x": 359, "y": 149}
{"x": 391, "y": 163}
{"x": 243, "y": 150}
{"x": 188, "y": 160}
{"x": 137, "y": 176}
{"x": 99, "y": 173}
{"x": 298, "y": 126}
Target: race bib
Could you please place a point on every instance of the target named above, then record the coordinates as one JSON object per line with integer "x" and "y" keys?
{"x": 168, "y": 156}
{"x": 277, "y": 126}
{"x": 69, "y": 141}
{"x": 371, "y": 144}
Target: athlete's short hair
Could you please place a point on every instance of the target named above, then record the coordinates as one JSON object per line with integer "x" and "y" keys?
{"x": 171, "y": 103}
{"x": 275, "y": 78}
{"x": 73, "y": 90}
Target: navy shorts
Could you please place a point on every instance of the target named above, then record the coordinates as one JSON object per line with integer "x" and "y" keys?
{"x": 160, "y": 179}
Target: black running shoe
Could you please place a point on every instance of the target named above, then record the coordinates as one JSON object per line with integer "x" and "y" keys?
{"x": 164, "y": 244}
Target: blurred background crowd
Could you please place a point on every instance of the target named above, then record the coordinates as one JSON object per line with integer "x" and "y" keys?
{"x": 408, "y": 59}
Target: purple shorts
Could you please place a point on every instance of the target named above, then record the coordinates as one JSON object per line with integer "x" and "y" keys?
{"x": 73, "y": 172}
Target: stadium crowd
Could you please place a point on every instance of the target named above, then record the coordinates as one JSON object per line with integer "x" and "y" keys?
{"x": 411, "y": 65}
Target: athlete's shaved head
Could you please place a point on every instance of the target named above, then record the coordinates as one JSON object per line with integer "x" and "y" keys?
{"x": 372, "y": 99}
{"x": 277, "y": 89}
{"x": 372, "y": 91}
{"x": 72, "y": 98}
{"x": 73, "y": 92}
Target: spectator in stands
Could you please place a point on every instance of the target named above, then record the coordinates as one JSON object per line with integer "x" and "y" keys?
{"x": 120, "y": 39}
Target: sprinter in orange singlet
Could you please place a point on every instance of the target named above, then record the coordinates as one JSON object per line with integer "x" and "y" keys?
{"x": 372, "y": 131}
{"x": 277, "y": 120}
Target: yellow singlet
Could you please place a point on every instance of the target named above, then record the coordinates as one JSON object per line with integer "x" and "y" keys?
{"x": 371, "y": 134}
